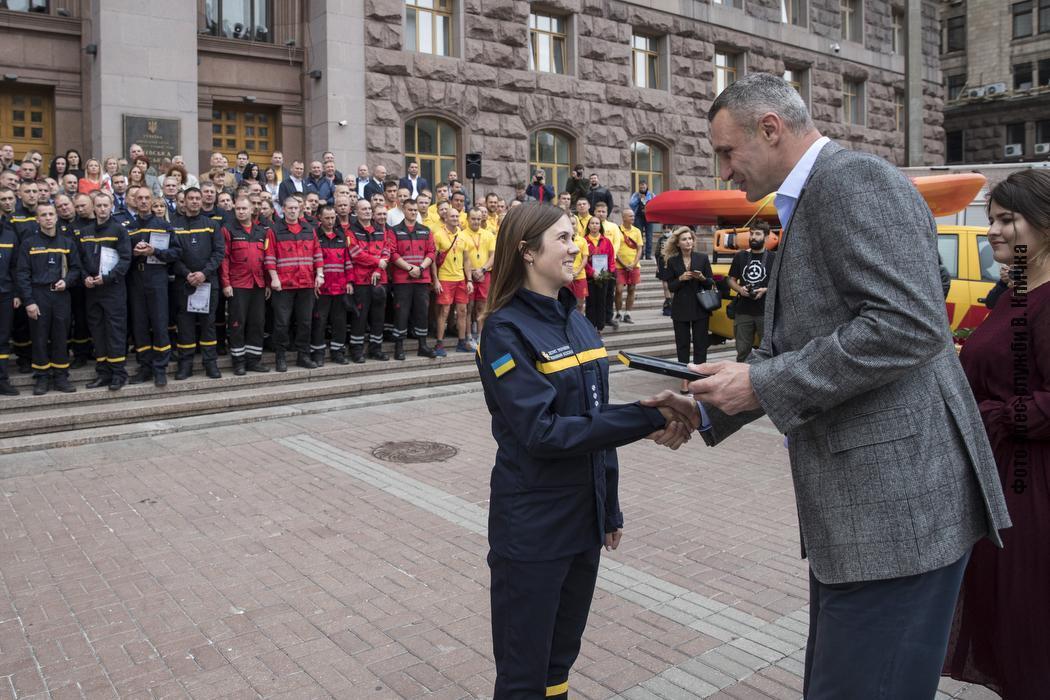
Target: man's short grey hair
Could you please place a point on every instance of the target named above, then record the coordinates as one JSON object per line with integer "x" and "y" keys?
{"x": 758, "y": 93}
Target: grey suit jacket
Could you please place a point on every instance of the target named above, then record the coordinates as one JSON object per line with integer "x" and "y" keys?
{"x": 892, "y": 469}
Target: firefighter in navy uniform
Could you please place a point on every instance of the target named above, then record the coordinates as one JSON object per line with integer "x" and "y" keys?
{"x": 148, "y": 288}
{"x": 554, "y": 499}
{"x": 9, "y": 298}
{"x": 75, "y": 215}
{"x": 106, "y": 295}
{"x": 244, "y": 285}
{"x": 48, "y": 267}
{"x": 224, "y": 219}
{"x": 203, "y": 248}
{"x": 24, "y": 222}
{"x": 412, "y": 257}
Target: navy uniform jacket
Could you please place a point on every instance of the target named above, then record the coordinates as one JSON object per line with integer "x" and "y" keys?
{"x": 8, "y": 255}
{"x": 93, "y": 237}
{"x": 202, "y": 244}
{"x": 554, "y": 485}
{"x": 44, "y": 260}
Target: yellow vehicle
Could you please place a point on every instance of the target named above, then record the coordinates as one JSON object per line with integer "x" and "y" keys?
{"x": 966, "y": 254}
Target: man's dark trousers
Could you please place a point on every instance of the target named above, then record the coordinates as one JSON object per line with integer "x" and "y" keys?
{"x": 880, "y": 640}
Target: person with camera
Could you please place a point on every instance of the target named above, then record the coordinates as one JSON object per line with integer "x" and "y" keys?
{"x": 688, "y": 274}
{"x": 538, "y": 190}
{"x": 749, "y": 277}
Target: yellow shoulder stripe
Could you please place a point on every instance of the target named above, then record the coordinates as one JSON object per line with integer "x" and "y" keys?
{"x": 571, "y": 361}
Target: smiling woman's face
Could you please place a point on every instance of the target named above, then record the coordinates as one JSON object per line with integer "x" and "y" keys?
{"x": 551, "y": 266}
{"x": 1008, "y": 229}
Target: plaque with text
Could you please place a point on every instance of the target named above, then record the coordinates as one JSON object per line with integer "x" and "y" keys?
{"x": 158, "y": 137}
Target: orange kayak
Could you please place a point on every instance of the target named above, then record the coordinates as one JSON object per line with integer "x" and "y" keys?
{"x": 944, "y": 194}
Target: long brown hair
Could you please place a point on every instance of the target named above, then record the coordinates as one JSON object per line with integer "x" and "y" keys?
{"x": 521, "y": 230}
{"x": 1027, "y": 192}
{"x": 671, "y": 244}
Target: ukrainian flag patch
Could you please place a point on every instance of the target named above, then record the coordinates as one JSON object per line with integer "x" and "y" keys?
{"x": 503, "y": 365}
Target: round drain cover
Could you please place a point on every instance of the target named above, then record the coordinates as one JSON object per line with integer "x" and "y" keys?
{"x": 414, "y": 451}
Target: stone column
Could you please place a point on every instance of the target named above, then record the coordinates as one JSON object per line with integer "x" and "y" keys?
{"x": 337, "y": 49}
{"x": 913, "y": 97}
{"x": 146, "y": 66}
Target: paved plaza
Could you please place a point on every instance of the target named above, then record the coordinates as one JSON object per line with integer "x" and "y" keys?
{"x": 282, "y": 559}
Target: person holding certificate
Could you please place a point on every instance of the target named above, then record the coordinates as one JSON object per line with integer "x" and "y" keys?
{"x": 601, "y": 270}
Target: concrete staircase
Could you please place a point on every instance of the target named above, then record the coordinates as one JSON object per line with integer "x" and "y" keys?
{"x": 30, "y": 422}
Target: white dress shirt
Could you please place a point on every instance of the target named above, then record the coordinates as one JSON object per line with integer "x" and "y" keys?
{"x": 789, "y": 192}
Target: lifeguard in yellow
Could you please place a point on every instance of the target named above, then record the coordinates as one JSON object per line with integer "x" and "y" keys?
{"x": 482, "y": 250}
{"x": 628, "y": 259}
{"x": 453, "y": 284}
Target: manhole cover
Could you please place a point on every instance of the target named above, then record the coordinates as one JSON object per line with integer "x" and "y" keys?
{"x": 414, "y": 451}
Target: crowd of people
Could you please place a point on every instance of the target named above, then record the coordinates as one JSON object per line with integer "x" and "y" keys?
{"x": 100, "y": 258}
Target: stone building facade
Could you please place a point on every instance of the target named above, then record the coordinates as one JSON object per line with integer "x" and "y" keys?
{"x": 995, "y": 58}
{"x": 341, "y": 75}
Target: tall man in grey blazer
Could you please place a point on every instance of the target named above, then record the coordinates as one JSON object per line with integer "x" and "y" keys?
{"x": 893, "y": 475}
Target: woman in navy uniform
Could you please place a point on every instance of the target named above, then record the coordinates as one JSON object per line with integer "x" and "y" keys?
{"x": 554, "y": 485}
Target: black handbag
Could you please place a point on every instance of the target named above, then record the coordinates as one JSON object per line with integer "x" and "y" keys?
{"x": 709, "y": 299}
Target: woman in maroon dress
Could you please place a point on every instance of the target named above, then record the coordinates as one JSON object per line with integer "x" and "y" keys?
{"x": 1001, "y": 634}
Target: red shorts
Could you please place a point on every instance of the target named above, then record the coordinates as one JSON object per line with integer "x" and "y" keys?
{"x": 579, "y": 288}
{"x": 625, "y": 277}
{"x": 481, "y": 289}
{"x": 452, "y": 293}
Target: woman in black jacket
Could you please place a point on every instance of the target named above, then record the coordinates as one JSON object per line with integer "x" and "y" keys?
{"x": 687, "y": 273}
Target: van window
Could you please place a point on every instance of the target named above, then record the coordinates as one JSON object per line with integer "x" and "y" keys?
{"x": 948, "y": 249}
{"x": 989, "y": 267}
{"x": 976, "y": 215}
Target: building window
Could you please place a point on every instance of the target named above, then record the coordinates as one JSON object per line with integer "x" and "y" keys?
{"x": 793, "y": 12}
{"x": 851, "y": 11}
{"x": 899, "y": 111}
{"x": 434, "y": 144}
{"x": 898, "y": 32}
{"x": 1022, "y": 12}
{"x": 1044, "y": 70}
{"x": 428, "y": 26}
{"x": 27, "y": 122}
{"x": 237, "y": 128}
{"x": 239, "y": 19}
{"x": 798, "y": 79}
{"x": 726, "y": 67}
{"x": 1042, "y": 131}
{"x": 1015, "y": 136}
{"x": 954, "y": 147}
{"x": 955, "y": 86}
{"x": 1023, "y": 76}
{"x": 1044, "y": 16}
{"x": 956, "y": 33}
{"x": 648, "y": 161}
{"x": 721, "y": 184}
{"x": 40, "y": 6}
{"x": 551, "y": 151}
{"x": 645, "y": 62}
{"x": 548, "y": 45}
{"x": 853, "y": 102}
{"x": 739, "y": 4}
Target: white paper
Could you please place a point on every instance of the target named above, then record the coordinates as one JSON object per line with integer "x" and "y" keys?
{"x": 108, "y": 260}
{"x": 200, "y": 301}
{"x": 600, "y": 263}
{"x": 159, "y": 241}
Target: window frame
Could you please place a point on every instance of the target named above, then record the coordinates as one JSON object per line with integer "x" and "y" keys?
{"x": 653, "y": 55}
{"x": 1017, "y": 71}
{"x": 1016, "y": 13}
{"x": 733, "y": 67}
{"x": 790, "y": 8}
{"x": 552, "y": 169}
{"x": 802, "y": 84}
{"x": 436, "y": 12}
{"x": 900, "y": 110}
{"x": 240, "y": 124}
{"x": 1014, "y": 127}
{"x": 36, "y": 7}
{"x": 735, "y": 4}
{"x": 948, "y": 148}
{"x": 437, "y": 158}
{"x": 949, "y": 31}
{"x": 1042, "y": 131}
{"x": 853, "y": 29}
{"x": 858, "y": 100}
{"x": 45, "y": 143}
{"x": 898, "y": 37}
{"x": 638, "y": 174}
{"x": 948, "y": 87}
{"x": 533, "y": 45}
{"x": 1044, "y": 17}
{"x": 219, "y": 33}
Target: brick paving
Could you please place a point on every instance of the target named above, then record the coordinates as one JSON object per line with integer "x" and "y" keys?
{"x": 281, "y": 559}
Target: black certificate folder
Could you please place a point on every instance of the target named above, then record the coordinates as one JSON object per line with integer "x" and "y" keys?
{"x": 658, "y": 365}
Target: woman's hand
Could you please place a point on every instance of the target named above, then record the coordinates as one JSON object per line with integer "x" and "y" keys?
{"x": 686, "y": 276}
{"x": 612, "y": 539}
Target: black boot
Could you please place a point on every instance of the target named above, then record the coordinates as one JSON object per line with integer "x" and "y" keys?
{"x": 254, "y": 364}
{"x": 100, "y": 380}
{"x": 6, "y": 389}
{"x": 117, "y": 383}
{"x": 399, "y": 350}
{"x": 61, "y": 383}
{"x": 78, "y": 362}
{"x": 185, "y": 370}
{"x": 375, "y": 352}
{"x": 318, "y": 357}
{"x": 211, "y": 370}
{"x": 339, "y": 357}
{"x": 160, "y": 378}
{"x": 425, "y": 350}
{"x": 281, "y": 361}
{"x": 357, "y": 354}
{"x": 239, "y": 369}
{"x": 143, "y": 375}
{"x": 302, "y": 359}
{"x": 25, "y": 365}
{"x": 41, "y": 384}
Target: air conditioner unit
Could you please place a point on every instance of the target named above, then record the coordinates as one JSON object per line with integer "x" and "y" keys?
{"x": 1013, "y": 150}
{"x": 974, "y": 93}
{"x": 995, "y": 89}
{"x": 1042, "y": 149}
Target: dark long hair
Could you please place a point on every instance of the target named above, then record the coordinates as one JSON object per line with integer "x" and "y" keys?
{"x": 522, "y": 229}
{"x": 1026, "y": 192}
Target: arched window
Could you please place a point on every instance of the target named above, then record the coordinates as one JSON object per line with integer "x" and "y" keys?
{"x": 648, "y": 162}
{"x": 434, "y": 144}
{"x": 551, "y": 151}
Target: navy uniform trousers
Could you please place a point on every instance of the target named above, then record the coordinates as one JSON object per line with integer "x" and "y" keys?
{"x": 539, "y": 612}
{"x": 50, "y": 332}
{"x": 194, "y": 327}
{"x": 880, "y": 640}
{"x": 148, "y": 301}
{"x": 106, "y": 309}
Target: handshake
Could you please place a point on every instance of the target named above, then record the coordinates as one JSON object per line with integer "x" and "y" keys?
{"x": 727, "y": 388}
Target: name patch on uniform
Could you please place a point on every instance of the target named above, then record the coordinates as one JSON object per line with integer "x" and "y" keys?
{"x": 503, "y": 365}
{"x": 558, "y": 353}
